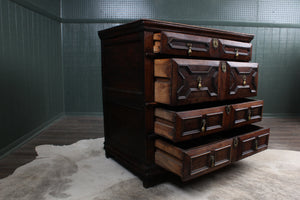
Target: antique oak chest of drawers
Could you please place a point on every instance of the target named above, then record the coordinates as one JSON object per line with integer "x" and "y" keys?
{"x": 175, "y": 99}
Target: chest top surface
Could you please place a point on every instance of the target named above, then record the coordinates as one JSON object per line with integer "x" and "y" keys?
{"x": 157, "y": 26}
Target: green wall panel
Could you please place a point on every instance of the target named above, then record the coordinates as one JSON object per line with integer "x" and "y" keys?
{"x": 82, "y": 68}
{"x": 262, "y": 11}
{"x": 276, "y": 50}
{"x": 46, "y": 7}
{"x": 276, "y": 45}
{"x": 31, "y": 71}
{"x": 52, "y": 6}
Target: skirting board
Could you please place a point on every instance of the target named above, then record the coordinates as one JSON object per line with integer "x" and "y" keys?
{"x": 281, "y": 115}
{"x": 25, "y": 138}
{"x": 96, "y": 114}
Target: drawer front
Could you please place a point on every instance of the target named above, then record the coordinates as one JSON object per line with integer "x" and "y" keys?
{"x": 252, "y": 143}
{"x": 246, "y": 113}
{"x": 183, "y": 81}
{"x": 184, "y": 125}
{"x": 188, "y": 81}
{"x": 243, "y": 79}
{"x": 199, "y": 46}
{"x": 193, "y": 162}
{"x": 204, "y": 160}
{"x": 189, "y": 160}
{"x": 233, "y": 50}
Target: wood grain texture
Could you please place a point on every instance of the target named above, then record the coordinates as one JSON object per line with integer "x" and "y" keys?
{"x": 209, "y": 154}
{"x": 169, "y": 162}
{"x": 187, "y": 81}
{"x": 157, "y": 25}
{"x": 179, "y": 44}
{"x": 181, "y": 125}
{"x": 285, "y": 132}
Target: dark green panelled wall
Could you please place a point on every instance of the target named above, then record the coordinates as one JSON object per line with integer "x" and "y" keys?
{"x": 51, "y": 64}
{"x": 276, "y": 25}
{"x": 44, "y": 7}
{"x": 31, "y": 73}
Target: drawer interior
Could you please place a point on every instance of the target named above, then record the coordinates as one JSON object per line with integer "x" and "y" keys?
{"x": 205, "y": 105}
{"x": 213, "y": 138}
{"x": 196, "y": 157}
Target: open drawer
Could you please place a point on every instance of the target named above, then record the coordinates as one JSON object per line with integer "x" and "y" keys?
{"x": 198, "y": 157}
{"x": 179, "y": 124}
{"x": 180, "y": 44}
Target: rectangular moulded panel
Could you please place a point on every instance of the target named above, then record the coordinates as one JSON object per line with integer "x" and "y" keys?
{"x": 198, "y": 157}
{"x": 189, "y": 81}
{"x": 197, "y": 121}
{"x": 242, "y": 80}
{"x": 180, "y": 44}
{"x": 185, "y": 81}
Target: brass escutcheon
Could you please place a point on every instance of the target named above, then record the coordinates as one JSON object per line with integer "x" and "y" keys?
{"x": 224, "y": 67}
{"x": 235, "y": 142}
{"x": 244, "y": 80}
{"x": 212, "y": 161}
{"x": 189, "y": 45}
{"x": 215, "y": 43}
{"x": 203, "y": 125}
{"x": 227, "y": 109}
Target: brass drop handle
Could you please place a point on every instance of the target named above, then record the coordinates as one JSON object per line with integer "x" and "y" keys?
{"x": 236, "y": 52}
{"x": 249, "y": 114}
{"x": 199, "y": 82}
{"x": 244, "y": 80}
{"x": 235, "y": 142}
{"x": 212, "y": 161}
{"x": 203, "y": 125}
{"x": 189, "y": 45}
{"x": 255, "y": 144}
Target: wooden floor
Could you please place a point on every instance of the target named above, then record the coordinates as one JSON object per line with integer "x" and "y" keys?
{"x": 285, "y": 134}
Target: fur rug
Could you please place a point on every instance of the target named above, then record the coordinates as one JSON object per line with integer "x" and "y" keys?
{"x": 81, "y": 172}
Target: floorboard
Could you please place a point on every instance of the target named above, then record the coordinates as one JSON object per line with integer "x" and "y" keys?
{"x": 285, "y": 134}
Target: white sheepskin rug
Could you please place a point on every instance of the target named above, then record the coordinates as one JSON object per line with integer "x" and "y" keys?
{"x": 81, "y": 172}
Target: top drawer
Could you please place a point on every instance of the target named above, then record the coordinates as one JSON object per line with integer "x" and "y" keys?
{"x": 199, "y": 46}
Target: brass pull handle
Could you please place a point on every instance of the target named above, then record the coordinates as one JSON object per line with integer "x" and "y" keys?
{"x": 235, "y": 142}
{"x": 203, "y": 125}
{"x": 228, "y": 109}
{"x": 212, "y": 161}
{"x": 190, "y": 48}
{"x": 244, "y": 80}
{"x": 236, "y": 52}
{"x": 255, "y": 144}
{"x": 199, "y": 82}
{"x": 249, "y": 114}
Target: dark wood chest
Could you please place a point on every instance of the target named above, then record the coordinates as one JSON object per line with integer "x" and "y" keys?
{"x": 175, "y": 99}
